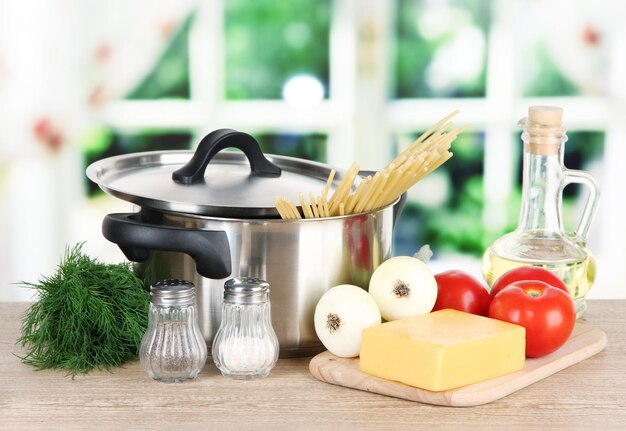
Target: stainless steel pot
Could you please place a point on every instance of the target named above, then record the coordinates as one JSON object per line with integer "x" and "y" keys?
{"x": 174, "y": 235}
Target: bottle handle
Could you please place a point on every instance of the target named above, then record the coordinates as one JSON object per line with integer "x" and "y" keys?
{"x": 573, "y": 176}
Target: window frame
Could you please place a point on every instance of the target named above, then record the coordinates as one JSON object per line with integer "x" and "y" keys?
{"x": 361, "y": 122}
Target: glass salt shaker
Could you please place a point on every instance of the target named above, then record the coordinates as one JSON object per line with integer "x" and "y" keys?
{"x": 245, "y": 346}
{"x": 173, "y": 349}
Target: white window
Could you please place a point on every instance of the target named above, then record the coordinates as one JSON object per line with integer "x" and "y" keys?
{"x": 374, "y": 97}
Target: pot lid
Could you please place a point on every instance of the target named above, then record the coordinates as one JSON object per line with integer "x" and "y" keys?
{"x": 208, "y": 182}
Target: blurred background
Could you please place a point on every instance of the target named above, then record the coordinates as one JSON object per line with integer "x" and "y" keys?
{"x": 330, "y": 80}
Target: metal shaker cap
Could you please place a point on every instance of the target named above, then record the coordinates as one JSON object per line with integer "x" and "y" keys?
{"x": 173, "y": 292}
{"x": 246, "y": 290}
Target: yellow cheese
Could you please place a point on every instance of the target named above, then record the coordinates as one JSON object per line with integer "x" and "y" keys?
{"x": 442, "y": 350}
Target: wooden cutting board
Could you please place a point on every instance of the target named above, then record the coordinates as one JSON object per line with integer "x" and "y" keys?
{"x": 584, "y": 342}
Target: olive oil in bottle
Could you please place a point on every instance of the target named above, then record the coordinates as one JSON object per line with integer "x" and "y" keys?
{"x": 578, "y": 276}
{"x": 539, "y": 238}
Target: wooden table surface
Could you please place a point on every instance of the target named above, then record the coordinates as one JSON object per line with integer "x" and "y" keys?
{"x": 590, "y": 395}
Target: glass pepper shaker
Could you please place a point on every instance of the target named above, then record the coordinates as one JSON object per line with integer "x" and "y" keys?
{"x": 173, "y": 349}
{"x": 245, "y": 346}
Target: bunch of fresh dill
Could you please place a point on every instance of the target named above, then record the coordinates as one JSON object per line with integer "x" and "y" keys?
{"x": 89, "y": 315}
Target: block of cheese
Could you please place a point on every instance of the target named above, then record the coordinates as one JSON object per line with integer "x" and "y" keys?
{"x": 442, "y": 350}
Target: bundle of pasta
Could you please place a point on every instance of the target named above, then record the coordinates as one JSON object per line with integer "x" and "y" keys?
{"x": 426, "y": 154}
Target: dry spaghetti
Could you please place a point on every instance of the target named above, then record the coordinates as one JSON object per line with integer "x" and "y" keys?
{"x": 355, "y": 194}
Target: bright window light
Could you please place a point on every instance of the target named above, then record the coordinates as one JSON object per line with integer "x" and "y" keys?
{"x": 303, "y": 91}
{"x": 432, "y": 191}
{"x": 458, "y": 61}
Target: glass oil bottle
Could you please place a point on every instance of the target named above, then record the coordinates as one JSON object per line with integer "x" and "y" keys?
{"x": 539, "y": 238}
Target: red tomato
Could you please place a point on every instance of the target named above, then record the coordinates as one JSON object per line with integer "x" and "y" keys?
{"x": 461, "y": 291}
{"x": 526, "y": 273}
{"x": 359, "y": 242}
{"x": 547, "y": 313}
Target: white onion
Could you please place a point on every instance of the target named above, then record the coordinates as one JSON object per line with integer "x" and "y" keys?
{"x": 340, "y": 316}
{"x": 403, "y": 286}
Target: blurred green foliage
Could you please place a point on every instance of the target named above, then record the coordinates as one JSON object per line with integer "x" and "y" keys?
{"x": 304, "y": 146}
{"x": 269, "y": 41}
{"x": 459, "y": 228}
{"x": 455, "y": 226}
{"x": 583, "y": 147}
{"x": 124, "y": 143}
{"x": 170, "y": 76}
{"x": 543, "y": 79}
{"x": 414, "y": 53}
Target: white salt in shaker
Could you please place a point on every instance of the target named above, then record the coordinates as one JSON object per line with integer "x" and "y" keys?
{"x": 245, "y": 346}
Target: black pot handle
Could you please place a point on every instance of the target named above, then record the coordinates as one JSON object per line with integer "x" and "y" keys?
{"x": 215, "y": 142}
{"x": 209, "y": 249}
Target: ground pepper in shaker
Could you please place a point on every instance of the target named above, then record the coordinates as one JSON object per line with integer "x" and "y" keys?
{"x": 245, "y": 346}
{"x": 173, "y": 349}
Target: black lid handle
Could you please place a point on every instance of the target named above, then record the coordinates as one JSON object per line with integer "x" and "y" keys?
{"x": 215, "y": 142}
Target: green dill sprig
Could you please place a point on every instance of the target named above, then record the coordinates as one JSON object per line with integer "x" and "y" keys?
{"x": 89, "y": 315}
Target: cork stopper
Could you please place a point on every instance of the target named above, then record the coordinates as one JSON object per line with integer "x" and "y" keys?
{"x": 544, "y": 129}
{"x": 545, "y": 115}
